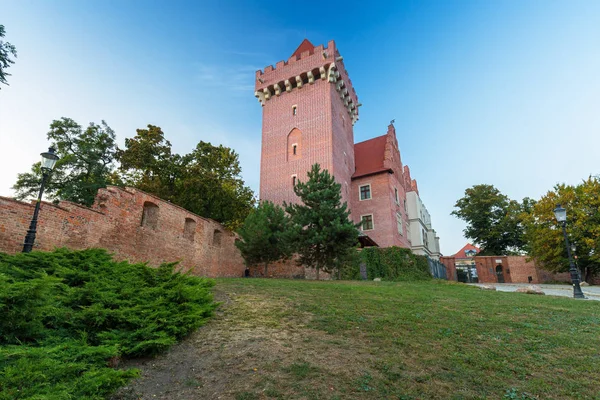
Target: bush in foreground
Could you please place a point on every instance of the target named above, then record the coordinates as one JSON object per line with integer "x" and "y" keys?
{"x": 69, "y": 316}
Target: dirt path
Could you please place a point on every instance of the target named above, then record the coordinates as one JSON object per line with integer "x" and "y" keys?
{"x": 247, "y": 351}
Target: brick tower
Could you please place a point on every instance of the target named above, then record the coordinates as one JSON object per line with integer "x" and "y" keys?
{"x": 309, "y": 109}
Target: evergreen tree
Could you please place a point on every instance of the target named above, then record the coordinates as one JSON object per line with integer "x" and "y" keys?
{"x": 321, "y": 230}
{"x": 263, "y": 235}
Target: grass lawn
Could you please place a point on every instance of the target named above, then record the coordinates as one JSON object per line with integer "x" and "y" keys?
{"x": 286, "y": 339}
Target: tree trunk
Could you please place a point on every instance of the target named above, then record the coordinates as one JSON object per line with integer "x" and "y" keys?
{"x": 317, "y": 272}
{"x": 266, "y": 269}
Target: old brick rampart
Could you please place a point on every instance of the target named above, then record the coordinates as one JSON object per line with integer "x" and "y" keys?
{"x": 514, "y": 269}
{"x": 133, "y": 225}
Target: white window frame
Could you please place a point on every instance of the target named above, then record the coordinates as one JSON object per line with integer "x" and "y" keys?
{"x": 399, "y": 223}
{"x": 362, "y": 228}
{"x": 294, "y": 180}
{"x": 295, "y": 146}
{"x": 370, "y": 192}
{"x": 294, "y": 110}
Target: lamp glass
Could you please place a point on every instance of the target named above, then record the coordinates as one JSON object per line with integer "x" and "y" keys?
{"x": 560, "y": 213}
{"x": 49, "y": 159}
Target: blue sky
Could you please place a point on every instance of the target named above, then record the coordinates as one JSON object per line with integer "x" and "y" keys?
{"x": 498, "y": 92}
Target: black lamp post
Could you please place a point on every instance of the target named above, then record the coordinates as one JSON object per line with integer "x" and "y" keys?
{"x": 561, "y": 216}
{"x": 49, "y": 159}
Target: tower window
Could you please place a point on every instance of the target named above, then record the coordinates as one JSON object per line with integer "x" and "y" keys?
{"x": 396, "y": 194}
{"x": 294, "y": 110}
{"x": 294, "y": 149}
{"x": 293, "y": 180}
{"x": 367, "y": 222}
{"x": 365, "y": 192}
{"x": 399, "y": 223}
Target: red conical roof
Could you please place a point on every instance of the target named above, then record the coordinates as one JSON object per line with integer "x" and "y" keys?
{"x": 306, "y": 45}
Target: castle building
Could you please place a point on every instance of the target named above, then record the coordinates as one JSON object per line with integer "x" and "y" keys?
{"x": 309, "y": 109}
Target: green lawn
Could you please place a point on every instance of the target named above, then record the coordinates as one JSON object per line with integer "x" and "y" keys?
{"x": 330, "y": 340}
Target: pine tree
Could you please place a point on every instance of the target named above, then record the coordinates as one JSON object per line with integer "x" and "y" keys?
{"x": 321, "y": 231}
{"x": 262, "y": 235}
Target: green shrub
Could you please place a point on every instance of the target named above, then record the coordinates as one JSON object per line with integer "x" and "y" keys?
{"x": 391, "y": 264}
{"x": 68, "y": 315}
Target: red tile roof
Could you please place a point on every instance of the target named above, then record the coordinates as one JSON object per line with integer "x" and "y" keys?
{"x": 461, "y": 252}
{"x": 306, "y": 45}
{"x": 369, "y": 156}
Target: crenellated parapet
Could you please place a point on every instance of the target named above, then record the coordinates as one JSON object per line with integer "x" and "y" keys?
{"x": 307, "y": 66}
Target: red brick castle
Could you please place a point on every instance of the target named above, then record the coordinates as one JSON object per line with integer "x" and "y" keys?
{"x": 309, "y": 110}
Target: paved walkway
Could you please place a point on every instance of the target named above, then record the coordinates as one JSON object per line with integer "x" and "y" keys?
{"x": 591, "y": 292}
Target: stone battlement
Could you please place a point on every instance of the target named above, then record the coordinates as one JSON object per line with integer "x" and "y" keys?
{"x": 308, "y": 65}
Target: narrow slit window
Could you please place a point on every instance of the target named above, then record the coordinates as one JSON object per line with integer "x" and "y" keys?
{"x": 294, "y": 110}
{"x": 294, "y": 180}
{"x": 294, "y": 149}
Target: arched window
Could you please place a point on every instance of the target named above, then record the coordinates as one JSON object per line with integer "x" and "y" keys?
{"x": 294, "y": 144}
{"x": 217, "y": 237}
{"x": 189, "y": 229}
{"x": 150, "y": 215}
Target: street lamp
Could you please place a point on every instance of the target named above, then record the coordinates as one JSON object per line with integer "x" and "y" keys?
{"x": 561, "y": 216}
{"x": 49, "y": 159}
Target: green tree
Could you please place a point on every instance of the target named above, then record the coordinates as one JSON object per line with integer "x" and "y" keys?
{"x": 320, "y": 229}
{"x": 213, "y": 186}
{"x": 86, "y": 163}
{"x": 206, "y": 181}
{"x": 148, "y": 163}
{"x": 262, "y": 235}
{"x": 6, "y": 50}
{"x": 544, "y": 234}
{"x": 494, "y": 222}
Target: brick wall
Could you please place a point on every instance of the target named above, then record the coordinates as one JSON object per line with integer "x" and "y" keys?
{"x": 114, "y": 222}
{"x": 488, "y": 266}
{"x": 516, "y": 269}
{"x": 382, "y": 205}
{"x": 521, "y": 270}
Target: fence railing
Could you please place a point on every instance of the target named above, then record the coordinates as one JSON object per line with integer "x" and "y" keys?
{"x": 437, "y": 269}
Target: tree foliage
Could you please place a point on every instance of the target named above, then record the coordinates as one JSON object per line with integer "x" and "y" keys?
{"x": 263, "y": 235}
{"x": 206, "y": 181}
{"x": 148, "y": 163}
{"x": 545, "y": 236}
{"x": 6, "y": 50}
{"x": 86, "y": 163}
{"x": 494, "y": 222}
{"x": 320, "y": 228}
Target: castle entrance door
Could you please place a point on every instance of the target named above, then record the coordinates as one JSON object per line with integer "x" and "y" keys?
{"x": 499, "y": 274}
